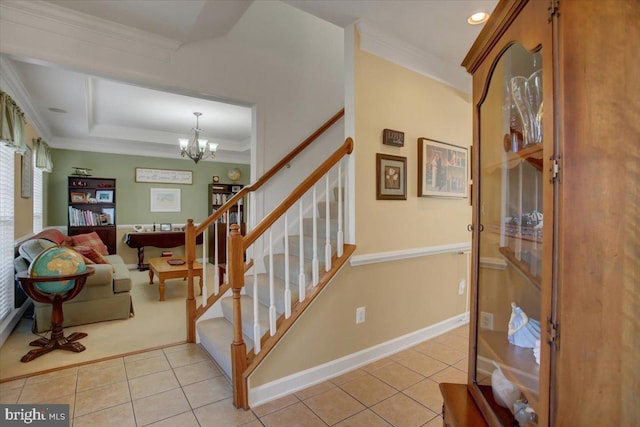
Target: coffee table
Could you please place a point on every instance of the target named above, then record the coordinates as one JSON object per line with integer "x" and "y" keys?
{"x": 161, "y": 268}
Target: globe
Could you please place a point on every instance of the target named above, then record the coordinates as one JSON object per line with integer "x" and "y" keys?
{"x": 57, "y": 261}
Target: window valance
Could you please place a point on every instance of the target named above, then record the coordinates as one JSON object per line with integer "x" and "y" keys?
{"x": 42, "y": 154}
{"x": 11, "y": 124}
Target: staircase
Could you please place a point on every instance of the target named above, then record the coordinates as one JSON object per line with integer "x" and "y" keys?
{"x": 272, "y": 272}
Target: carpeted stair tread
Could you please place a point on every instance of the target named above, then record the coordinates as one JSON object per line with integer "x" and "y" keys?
{"x": 333, "y": 209}
{"x": 216, "y": 336}
{"x": 246, "y": 303}
{"x": 307, "y": 227}
{"x": 263, "y": 290}
{"x": 294, "y": 246}
{"x": 294, "y": 268}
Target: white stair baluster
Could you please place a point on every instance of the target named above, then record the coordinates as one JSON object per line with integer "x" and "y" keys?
{"x": 287, "y": 288}
{"x": 272, "y": 305}
{"x": 301, "y": 279}
{"x": 216, "y": 269}
{"x": 256, "y": 325}
{"x": 315, "y": 272}
{"x": 205, "y": 261}
{"x": 340, "y": 236}
{"x": 327, "y": 234}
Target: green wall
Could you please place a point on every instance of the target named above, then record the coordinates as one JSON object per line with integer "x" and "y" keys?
{"x": 132, "y": 198}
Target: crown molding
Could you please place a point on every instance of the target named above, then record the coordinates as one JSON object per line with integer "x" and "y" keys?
{"x": 87, "y": 29}
{"x": 379, "y": 42}
{"x": 16, "y": 89}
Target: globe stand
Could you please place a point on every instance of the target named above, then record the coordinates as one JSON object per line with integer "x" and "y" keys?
{"x": 57, "y": 341}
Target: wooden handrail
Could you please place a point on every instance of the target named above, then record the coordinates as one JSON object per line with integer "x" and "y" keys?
{"x": 299, "y": 191}
{"x": 270, "y": 173}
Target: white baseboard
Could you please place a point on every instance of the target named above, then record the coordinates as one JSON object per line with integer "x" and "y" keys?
{"x": 292, "y": 383}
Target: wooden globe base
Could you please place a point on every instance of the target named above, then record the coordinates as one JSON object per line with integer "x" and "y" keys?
{"x": 57, "y": 341}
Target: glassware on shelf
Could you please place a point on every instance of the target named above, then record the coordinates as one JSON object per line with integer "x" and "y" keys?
{"x": 527, "y": 96}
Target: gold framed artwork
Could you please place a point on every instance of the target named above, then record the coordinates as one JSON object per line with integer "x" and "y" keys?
{"x": 442, "y": 169}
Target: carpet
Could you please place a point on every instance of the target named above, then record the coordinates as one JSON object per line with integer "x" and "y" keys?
{"x": 155, "y": 324}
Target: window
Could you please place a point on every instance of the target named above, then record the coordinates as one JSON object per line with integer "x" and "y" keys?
{"x": 37, "y": 198}
{"x": 6, "y": 230}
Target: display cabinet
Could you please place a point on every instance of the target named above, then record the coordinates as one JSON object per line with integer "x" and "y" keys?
{"x": 92, "y": 207}
{"x": 218, "y": 196}
{"x": 554, "y": 322}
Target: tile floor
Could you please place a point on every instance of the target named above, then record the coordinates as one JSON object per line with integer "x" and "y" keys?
{"x": 180, "y": 386}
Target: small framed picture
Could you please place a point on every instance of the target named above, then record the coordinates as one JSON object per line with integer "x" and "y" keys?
{"x": 236, "y": 188}
{"x": 79, "y": 197}
{"x": 391, "y": 177}
{"x": 393, "y": 137}
{"x": 104, "y": 196}
{"x": 165, "y": 227}
{"x": 110, "y": 215}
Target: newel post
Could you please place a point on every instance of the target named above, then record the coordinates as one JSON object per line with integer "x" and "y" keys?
{"x": 235, "y": 264}
{"x": 190, "y": 249}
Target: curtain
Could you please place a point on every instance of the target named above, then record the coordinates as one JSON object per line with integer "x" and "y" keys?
{"x": 11, "y": 124}
{"x": 42, "y": 155}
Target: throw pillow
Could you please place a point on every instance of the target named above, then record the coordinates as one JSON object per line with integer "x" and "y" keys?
{"x": 91, "y": 240}
{"x": 30, "y": 249}
{"x": 91, "y": 254}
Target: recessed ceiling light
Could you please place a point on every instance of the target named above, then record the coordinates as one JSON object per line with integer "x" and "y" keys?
{"x": 57, "y": 110}
{"x": 478, "y": 18}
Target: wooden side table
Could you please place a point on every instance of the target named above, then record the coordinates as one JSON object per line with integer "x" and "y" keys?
{"x": 57, "y": 341}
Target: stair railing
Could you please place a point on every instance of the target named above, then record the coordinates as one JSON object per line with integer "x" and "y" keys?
{"x": 221, "y": 284}
{"x": 244, "y": 363}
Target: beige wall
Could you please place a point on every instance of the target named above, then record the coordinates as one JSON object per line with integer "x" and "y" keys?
{"x": 400, "y": 296}
{"x": 23, "y": 208}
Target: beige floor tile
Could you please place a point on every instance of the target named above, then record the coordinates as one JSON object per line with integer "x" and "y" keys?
{"x": 463, "y": 331}
{"x": 186, "y": 419}
{"x": 69, "y": 399}
{"x": 435, "y": 422}
{"x": 100, "y": 398}
{"x": 426, "y": 392}
{"x": 401, "y": 411}
{"x": 118, "y": 361}
{"x": 334, "y": 405}
{"x": 275, "y": 405}
{"x": 313, "y": 390}
{"x": 160, "y": 406}
{"x": 255, "y": 423}
{"x": 422, "y": 364}
{"x": 397, "y": 376}
{"x": 208, "y": 391}
{"x": 349, "y": 376}
{"x": 223, "y": 413}
{"x": 140, "y": 367}
{"x": 368, "y": 389}
{"x": 121, "y": 416}
{"x": 51, "y": 375}
{"x": 179, "y": 347}
{"x": 10, "y": 396}
{"x": 441, "y": 352}
{"x": 366, "y": 418}
{"x": 456, "y": 342}
{"x": 42, "y": 391}
{"x": 296, "y": 415}
{"x": 195, "y": 372}
{"x": 187, "y": 356}
{"x": 153, "y": 383}
{"x": 11, "y": 385}
{"x": 377, "y": 364}
{"x": 143, "y": 355}
{"x": 92, "y": 378}
{"x": 401, "y": 354}
{"x": 463, "y": 365}
{"x": 450, "y": 375}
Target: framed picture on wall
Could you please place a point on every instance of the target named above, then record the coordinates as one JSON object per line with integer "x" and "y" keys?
{"x": 391, "y": 177}
{"x": 165, "y": 200}
{"x": 442, "y": 169}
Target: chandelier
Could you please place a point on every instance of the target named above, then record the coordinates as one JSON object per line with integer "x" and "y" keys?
{"x": 197, "y": 149}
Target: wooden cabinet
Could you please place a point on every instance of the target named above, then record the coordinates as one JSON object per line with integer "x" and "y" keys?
{"x": 219, "y": 194}
{"x": 555, "y": 216}
{"x": 92, "y": 207}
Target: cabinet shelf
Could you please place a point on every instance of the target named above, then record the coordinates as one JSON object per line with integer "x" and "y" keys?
{"x": 521, "y": 266}
{"x": 517, "y": 364}
{"x": 532, "y": 155}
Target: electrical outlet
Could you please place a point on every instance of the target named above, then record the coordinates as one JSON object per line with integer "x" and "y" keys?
{"x": 486, "y": 320}
{"x": 360, "y": 315}
{"x": 461, "y": 286}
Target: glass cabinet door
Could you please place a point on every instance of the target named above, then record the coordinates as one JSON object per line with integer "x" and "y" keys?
{"x": 510, "y": 241}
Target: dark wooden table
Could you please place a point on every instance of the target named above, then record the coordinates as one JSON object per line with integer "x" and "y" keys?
{"x": 157, "y": 239}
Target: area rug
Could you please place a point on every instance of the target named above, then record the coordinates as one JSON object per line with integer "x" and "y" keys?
{"x": 155, "y": 324}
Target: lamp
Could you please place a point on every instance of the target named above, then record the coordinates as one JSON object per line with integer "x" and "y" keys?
{"x": 197, "y": 149}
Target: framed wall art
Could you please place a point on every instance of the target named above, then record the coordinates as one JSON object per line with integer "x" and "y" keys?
{"x": 165, "y": 200}
{"x": 166, "y": 176}
{"x": 104, "y": 196}
{"x": 391, "y": 177}
{"x": 442, "y": 169}
{"x": 393, "y": 137}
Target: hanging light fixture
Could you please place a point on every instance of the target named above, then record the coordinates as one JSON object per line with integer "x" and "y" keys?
{"x": 197, "y": 149}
